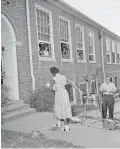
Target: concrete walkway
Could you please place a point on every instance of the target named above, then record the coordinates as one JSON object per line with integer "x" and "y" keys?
{"x": 80, "y": 135}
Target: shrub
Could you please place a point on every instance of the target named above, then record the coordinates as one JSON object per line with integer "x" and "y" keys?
{"x": 42, "y": 100}
{"x": 4, "y": 97}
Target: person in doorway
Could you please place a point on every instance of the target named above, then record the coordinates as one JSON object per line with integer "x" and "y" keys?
{"x": 62, "y": 103}
{"x": 108, "y": 90}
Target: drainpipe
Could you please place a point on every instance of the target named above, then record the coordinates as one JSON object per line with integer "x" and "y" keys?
{"x": 29, "y": 43}
{"x": 103, "y": 65}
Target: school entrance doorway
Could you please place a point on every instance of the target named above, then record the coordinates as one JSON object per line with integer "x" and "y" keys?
{"x": 9, "y": 58}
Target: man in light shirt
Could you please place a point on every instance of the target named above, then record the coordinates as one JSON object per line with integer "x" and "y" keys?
{"x": 108, "y": 90}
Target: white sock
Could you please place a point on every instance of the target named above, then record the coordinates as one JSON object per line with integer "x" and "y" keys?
{"x": 58, "y": 122}
{"x": 67, "y": 127}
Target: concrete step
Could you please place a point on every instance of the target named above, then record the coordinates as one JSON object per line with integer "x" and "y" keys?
{"x": 11, "y": 102}
{"x": 18, "y": 114}
{"x": 16, "y": 107}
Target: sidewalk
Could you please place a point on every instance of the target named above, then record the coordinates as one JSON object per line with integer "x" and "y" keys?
{"x": 80, "y": 135}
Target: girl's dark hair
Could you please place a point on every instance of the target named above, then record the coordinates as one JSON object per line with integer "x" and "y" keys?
{"x": 54, "y": 70}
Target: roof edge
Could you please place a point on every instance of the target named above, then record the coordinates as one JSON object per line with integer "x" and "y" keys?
{"x": 82, "y": 16}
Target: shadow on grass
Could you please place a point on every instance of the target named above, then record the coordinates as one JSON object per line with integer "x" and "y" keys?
{"x": 11, "y": 139}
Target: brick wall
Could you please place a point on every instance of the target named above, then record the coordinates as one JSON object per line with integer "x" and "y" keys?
{"x": 73, "y": 70}
{"x": 16, "y": 14}
{"x": 111, "y": 69}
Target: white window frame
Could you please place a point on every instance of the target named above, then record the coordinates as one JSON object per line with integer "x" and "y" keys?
{"x": 94, "y": 54}
{"x": 84, "y": 52}
{"x": 108, "y": 49}
{"x": 118, "y": 52}
{"x": 114, "y": 50}
{"x": 70, "y": 41}
{"x": 51, "y": 35}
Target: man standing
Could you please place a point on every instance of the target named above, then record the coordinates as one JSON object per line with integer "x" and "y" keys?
{"x": 108, "y": 90}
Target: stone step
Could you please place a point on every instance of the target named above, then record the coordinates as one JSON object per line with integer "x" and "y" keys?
{"x": 19, "y": 114}
{"x": 11, "y": 102}
{"x": 16, "y": 107}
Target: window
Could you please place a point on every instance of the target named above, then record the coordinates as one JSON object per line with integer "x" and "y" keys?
{"x": 80, "y": 45}
{"x": 108, "y": 50}
{"x": 113, "y": 52}
{"x": 111, "y": 80}
{"x": 116, "y": 81}
{"x": 44, "y": 31}
{"x": 91, "y": 46}
{"x": 118, "y": 53}
{"x": 65, "y": 41}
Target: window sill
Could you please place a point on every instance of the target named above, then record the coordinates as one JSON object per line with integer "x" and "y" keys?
{"x": 81, "y": 61}
{"x": 46, "y": 59}
{"x": 109, "y": 63}
{"x": 67, "y": 60}
{"x": 92, "y": 62}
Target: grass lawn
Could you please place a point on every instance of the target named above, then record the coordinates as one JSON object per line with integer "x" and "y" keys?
{"x": 11, "y": 139}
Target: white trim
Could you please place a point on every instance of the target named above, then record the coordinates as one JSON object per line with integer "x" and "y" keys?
{"x": 84, "y": 51}
{"x": 94, "y": 52}
{"x": 30, "y": 44}
{"x": 70, "y": 41}
{"x": 51, "y": 34}
{"x": 16, "y": 86}
{"x": 109, "y": 49}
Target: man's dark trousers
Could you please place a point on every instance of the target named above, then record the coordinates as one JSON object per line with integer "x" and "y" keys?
{"x": 108, "y": 102}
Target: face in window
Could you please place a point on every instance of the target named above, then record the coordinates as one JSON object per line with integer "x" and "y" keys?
{"x": 46, "y": 51}
{"x": 41, "y": 49}
{"x": 80, "y": 54}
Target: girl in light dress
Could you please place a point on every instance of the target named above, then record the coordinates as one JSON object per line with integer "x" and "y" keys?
{"x": 62, "y": 103}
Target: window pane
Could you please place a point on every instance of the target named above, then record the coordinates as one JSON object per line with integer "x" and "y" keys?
{"x": 113, "y": 57}
{"x": 64, "y": 38}
{"x": 44, "y": 36}
{"x": 90, "y": 49}
{"x": 64, "y": 32}
{"x": 79, "y": 43}
{"x": 45, "y": 49}
{"x": 43, "y": 24}
{"x": 118, "y": 58}
{"x": 108, "y": 58}
{"x": 91, "y": 57}
{"x": 65, "y": 51}
{"x": 80, "y": 55}
{"x": 108, "y": 44}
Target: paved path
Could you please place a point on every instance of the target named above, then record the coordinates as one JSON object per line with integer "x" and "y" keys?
{"x": 80, "y": 135}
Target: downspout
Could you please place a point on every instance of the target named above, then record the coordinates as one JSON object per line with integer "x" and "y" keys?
{"x": 29, "y": 43}
{"x": 103, "y": 65}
